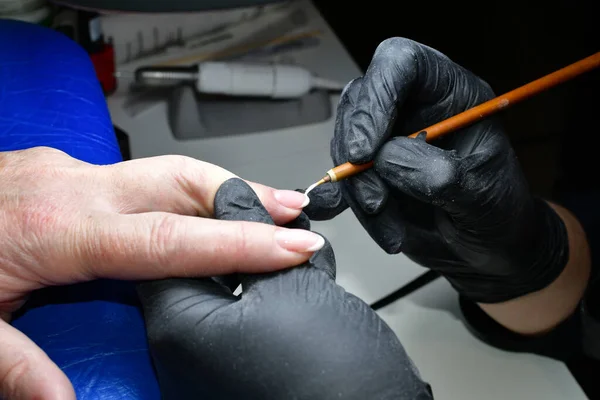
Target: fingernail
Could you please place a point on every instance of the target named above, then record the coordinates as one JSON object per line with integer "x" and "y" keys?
{"x": 291, "y": 198}
{"x": 299, "y": 240}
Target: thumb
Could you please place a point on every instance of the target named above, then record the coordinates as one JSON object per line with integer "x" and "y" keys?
{"x": 26, "y": 372}
{"x": 420, "y": 170}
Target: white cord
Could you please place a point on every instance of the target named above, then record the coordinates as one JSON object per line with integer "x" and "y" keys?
{"x": 263, "y": 80}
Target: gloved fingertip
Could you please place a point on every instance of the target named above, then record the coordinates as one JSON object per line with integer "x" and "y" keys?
{"x": 391, "y": 244}
{"x": 326, "y": 202}
{"x": 236, "y": 201}
{"x": 394, "y": 248}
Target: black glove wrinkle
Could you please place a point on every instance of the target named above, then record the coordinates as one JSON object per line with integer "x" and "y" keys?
{"x": 383, "y": 86}
{"x": 464, "y": 195}
{"x": 326, "y": 202}
{"x": 235, "y": 198}
{"x": 370, "y": 190}
{"x": 292, "y": 334}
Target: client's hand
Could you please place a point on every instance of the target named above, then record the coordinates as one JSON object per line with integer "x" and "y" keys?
{"x": 292, "y": 334}
{"x": 459, "y": 205}
{"x": 64, "y": 221}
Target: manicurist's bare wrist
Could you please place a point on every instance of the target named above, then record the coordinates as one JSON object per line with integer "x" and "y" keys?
{"x": 542, "y": 310}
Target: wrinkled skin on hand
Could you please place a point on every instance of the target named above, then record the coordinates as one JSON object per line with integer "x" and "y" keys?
{"x": 292, "y": 334}
{"x": 63, "y": 221}
{"x": 459, "y": 205}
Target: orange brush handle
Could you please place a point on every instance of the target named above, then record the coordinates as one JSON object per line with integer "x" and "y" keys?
{"x": 483, "y": 110}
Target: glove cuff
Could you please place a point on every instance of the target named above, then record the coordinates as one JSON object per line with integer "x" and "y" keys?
{"x": 541, "y": 261}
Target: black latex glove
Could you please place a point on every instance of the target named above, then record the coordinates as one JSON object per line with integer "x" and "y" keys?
{"x": 459, "y": 205}
{"x": 292, "y": 334}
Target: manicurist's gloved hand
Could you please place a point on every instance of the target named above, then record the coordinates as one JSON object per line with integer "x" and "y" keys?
{"x": 292, "y": 334}
{"x": 459, "y": 205}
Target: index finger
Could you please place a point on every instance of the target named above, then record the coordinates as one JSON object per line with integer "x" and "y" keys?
{"x": 186, "y": 186}
{"x": 161, "y": 245}
{"x": 405, "y": 73}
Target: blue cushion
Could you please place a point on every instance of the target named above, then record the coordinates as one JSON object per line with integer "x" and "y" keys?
{"x": 49, "y": 96}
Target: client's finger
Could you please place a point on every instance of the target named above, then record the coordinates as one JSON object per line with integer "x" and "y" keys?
{"x": 235, "y": 201}
{"x": 159, "y": 245}
{"x": 26, "y": 372}
{"x": 184, "y": 185}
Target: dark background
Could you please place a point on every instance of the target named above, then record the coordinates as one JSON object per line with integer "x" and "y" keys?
{"x": 508, "y": 44}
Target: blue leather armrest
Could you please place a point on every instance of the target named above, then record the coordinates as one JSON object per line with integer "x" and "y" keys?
{"x": 49, "y": 96}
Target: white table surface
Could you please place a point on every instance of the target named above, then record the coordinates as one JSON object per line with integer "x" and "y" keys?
{"x": 456, "y": 364}
{"x": 461, "y": 367}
